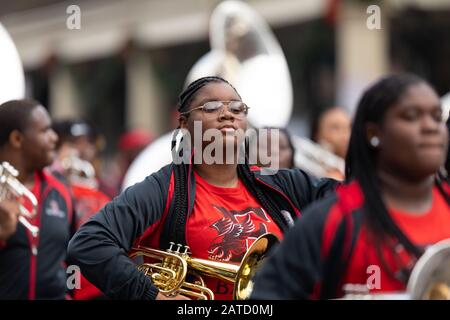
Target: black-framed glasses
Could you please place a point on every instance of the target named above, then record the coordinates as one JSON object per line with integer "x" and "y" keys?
{"x": 237, "y": 108}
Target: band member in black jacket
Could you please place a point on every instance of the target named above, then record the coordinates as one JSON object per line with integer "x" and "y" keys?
{"x": 373, "y": 229}
{"x": 32, "y": 266}
{"x": 217, "y": 208}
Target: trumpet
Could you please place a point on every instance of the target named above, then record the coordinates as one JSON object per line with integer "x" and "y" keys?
{"x": 10, "y": 187}
{"x": 176, "y": 265}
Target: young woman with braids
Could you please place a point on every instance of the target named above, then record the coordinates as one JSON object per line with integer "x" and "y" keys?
{"x": 373, "y": 229}
{"x": 216, "y": 209}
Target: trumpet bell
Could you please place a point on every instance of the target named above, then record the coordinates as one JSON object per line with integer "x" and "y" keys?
{"x": 250, "y": 264}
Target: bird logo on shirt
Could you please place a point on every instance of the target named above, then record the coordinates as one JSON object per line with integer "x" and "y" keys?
{"x": 236, "y": 232}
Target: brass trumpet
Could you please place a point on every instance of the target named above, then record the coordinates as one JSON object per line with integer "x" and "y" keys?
{"x": 170, "y": 274}
{"x": 10, "y": 187}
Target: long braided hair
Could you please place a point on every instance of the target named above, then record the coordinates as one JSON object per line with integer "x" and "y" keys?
{"x": 244, "y": 172}
{"x": 361, "y": 157}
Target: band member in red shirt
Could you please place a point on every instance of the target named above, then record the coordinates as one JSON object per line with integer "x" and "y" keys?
{"x": 218, "y": 209}
{"x": 392, "y": 207}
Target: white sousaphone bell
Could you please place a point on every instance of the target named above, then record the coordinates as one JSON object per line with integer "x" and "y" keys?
{"x": 12, "y": 79}
{"x": 12, "y": 86}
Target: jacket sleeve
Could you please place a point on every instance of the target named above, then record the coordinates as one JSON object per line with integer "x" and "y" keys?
{"x": 294, "y": 271}
{"x": 101, "y": 245}
{"x": 304, "y": 187}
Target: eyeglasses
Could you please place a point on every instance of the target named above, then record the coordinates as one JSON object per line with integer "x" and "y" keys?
{"x": 237, "y": 108}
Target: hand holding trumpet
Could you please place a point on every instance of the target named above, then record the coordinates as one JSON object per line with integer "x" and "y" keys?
{"x": 12, "y": 191}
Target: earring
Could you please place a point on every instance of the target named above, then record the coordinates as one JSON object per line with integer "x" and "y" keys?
{"x": 374, "y": 141}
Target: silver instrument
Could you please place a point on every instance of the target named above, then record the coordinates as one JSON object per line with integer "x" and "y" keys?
{"x": 11, "y": 187}
{"x": 12, "y": 77}
{"x": 314, "y": 159}
{"x": 79, "y": 171}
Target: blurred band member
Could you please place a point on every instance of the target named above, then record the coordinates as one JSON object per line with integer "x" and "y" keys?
{"x": 391, "y": 208}
{"x": 75, "y": 136}
{"x": 33, "y": 266}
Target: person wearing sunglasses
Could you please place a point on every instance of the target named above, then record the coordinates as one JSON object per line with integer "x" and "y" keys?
{"x": 217, "y": 208}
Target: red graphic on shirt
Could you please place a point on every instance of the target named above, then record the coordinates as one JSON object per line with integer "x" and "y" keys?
{"x": 235, "y": 230}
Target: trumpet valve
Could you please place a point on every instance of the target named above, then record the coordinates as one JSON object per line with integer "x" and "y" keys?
{"x": 171, "y": 247}
{"x": 186, "y": 252}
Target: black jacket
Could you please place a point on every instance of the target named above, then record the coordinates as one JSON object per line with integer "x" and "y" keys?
{"x": 33, "y": 267}
{"x": 312, "y": 261}
{"x": 101, "y": 245}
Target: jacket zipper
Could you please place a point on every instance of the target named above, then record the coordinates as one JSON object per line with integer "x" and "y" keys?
{"x": 297, "y": 212}
{"x": 188, "y": 203}
{"x": 34, "y": 242}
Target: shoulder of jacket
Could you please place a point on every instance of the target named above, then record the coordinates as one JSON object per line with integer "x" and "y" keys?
{"x": 58, "y": 182}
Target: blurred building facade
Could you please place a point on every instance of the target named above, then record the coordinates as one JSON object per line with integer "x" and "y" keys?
{"x": 125, "y": 66}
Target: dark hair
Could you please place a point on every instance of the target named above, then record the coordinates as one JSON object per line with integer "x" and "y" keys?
{"x": 70, "y": 130}
{"x": 361, "y": 157}
{"x": 317, "y": 121}
{"x": 15, "y": 115}
{"x": 244, "y": 172}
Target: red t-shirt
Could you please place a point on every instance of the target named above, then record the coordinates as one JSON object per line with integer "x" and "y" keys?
{"x": 422, "y": 229}
{"x": 223, "y": 225}
{"x": 88, "y": 202}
